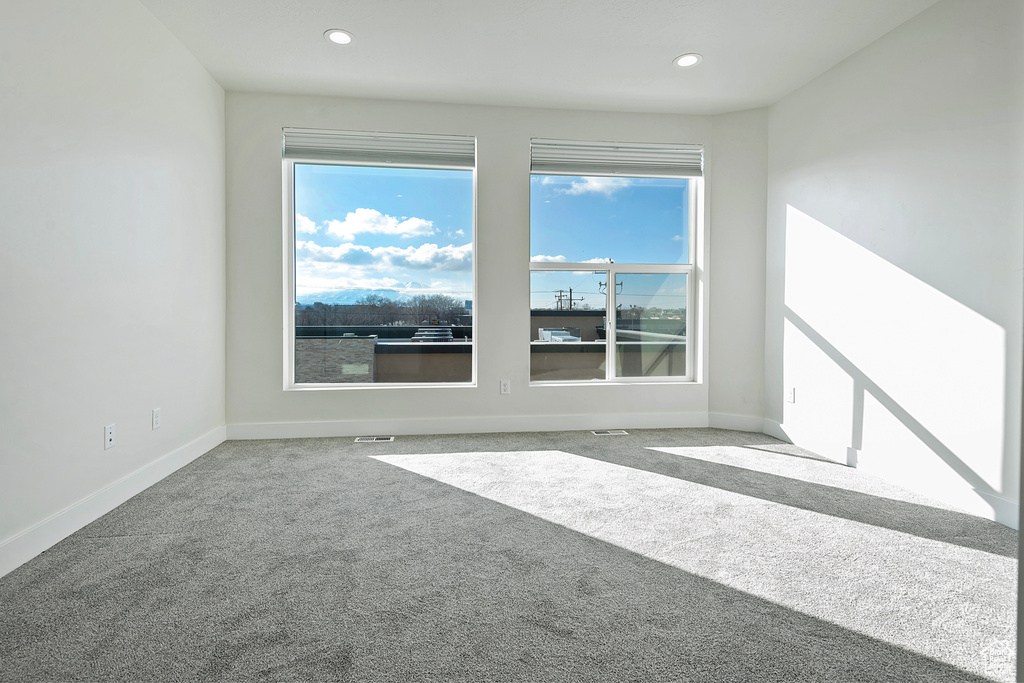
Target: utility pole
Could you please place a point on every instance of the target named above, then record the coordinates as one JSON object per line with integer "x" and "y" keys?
{"x": 561, "y": 299}
{"x": 571, "y": 299}
{"x": 602, "y": 286}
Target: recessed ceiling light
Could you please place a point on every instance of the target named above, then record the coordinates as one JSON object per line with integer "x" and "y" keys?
{"x": 336, "y": 35}
{"x": 689, "y": 59}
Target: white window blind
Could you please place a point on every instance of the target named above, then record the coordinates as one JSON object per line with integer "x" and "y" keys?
{"x": 371, "y": 148}
{"x": 634, "y": 159}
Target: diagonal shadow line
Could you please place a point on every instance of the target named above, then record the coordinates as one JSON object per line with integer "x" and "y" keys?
{"x": 947, "y": 526}
{"x": 717, "y": 594}
{"x": 812, "y": 458}
{"x": 890, "y": 404}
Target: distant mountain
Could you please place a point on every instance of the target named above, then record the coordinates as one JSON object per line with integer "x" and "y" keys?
{"x": 351, "y": 296}
{"x": 345, "y": 296}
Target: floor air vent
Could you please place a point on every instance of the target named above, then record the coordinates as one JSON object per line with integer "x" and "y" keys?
{"x": 610, "y": 432}
{"x": 373, "y": 439}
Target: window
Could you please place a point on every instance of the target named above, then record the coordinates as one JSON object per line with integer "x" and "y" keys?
{"x": 380, "y": 258}
{"x": 612, "y": 235}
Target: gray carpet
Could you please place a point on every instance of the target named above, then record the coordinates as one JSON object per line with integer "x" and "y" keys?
{"x": 665, "y": 555}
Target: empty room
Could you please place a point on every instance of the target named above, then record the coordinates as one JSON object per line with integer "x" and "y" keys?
{"x": 461, "y": 340}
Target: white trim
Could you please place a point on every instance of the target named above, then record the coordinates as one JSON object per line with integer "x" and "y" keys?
{"x": 624, "y": 268}
{"x": 740, "y": 423}
{"x": 1004, "y": 511}
{"x": 694, "y": 270}
{"x": 773, "y": 428}
{"x": 697, "y": 300}
{"x": 611, "y": 327}
{"x": 989, "y": 506}
{"x": 288, "y": 174}
{"x": 617, "y": 382}
{"x": 22, "y": 547}
{"x": 467, "y": 425}
{"x": 288, "y": 272}
{"x": 583, "y": 266}
{"x": 327, "y": 386}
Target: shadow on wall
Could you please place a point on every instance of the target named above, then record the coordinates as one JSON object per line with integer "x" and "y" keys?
{"x": 890, "y": 374}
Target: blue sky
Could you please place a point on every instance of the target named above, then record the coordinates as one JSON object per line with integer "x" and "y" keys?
{"x": 631, "y": 220}
{"x": 411, "y": 230}
{"x": 358, "y": 228}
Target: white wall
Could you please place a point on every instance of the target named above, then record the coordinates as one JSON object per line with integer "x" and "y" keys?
{"x": 257, "y": 405}
{"x": 111, "y": 261}
{"x": 894, "y": 284}
{"x": 738, "y": 210}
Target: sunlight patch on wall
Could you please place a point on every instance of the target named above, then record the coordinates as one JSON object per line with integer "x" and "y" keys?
{"x": 818, "y": 382}
{"x": 892, "y": 450}
{"x": 934, "y": 364}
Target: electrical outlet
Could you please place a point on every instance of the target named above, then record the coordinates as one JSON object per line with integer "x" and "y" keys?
{"x": 506, "y": 387}
{"x": 108, "y": 436}
{"x": 156, "y": 418}
{"x": 791, "y": 395}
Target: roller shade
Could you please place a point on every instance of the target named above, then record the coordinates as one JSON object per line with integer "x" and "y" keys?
{"x": 571, "y": 157}
{"x": 371, "y": 148}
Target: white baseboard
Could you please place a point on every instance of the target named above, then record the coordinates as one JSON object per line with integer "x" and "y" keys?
{"x": 21, "y": 548}
{"x": 966, "y": 498}
{"x": 1004, "y": 511}
{"x": 773, "y": 428}
{"x": 465, "y": 425}
{"x": 740, "y": 423}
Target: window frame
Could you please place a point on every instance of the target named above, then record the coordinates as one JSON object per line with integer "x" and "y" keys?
{"x": 288, "y": 251}
{"x": 694, "y": 237}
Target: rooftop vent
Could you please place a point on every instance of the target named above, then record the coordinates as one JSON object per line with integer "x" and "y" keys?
{"x": 610, "y": 432}
{"x": 373, "y": 439}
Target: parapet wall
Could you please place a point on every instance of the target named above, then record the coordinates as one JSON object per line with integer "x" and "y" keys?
{"x": 341, "y": 359}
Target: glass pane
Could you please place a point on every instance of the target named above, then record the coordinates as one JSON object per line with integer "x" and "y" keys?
{"x": 650, "y": 325}
{"x": 383, "y": 274}
{"x": 577, "y": 219}
{"x": 567, "y": 318}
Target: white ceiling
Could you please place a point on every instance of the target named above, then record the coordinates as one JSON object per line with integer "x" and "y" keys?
{"x": 586, "y": 54}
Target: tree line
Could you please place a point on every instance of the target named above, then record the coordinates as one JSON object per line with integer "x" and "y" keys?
{"x": 374, "y": 309}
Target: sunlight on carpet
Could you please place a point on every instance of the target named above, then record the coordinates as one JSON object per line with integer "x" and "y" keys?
{"x": 765, "y": 459}
{"x": 893, "y": 586}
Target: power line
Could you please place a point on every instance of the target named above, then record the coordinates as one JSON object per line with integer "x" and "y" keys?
{"x": 561, "y": 299}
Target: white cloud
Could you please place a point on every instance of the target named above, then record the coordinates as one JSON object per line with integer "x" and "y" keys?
{"x": 371, "y": 221}
{"x": 353, "y": 254}
{"x": 597, "y": 185}
{"x": 677, "y": 238}
{"x": 541, "y": 258}
{"x": 303, "y": 224}
{"x": 429, "y": 257}
{"x": 317, "y": 277}
{"x": 460, "y": 232}
{"x": 423, "y": 257}
{"x": 311, "y": 280}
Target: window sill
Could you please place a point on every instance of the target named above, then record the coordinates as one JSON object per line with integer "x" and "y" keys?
{"x": 381, "y": 385}
{"x": 619, "y": 382}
